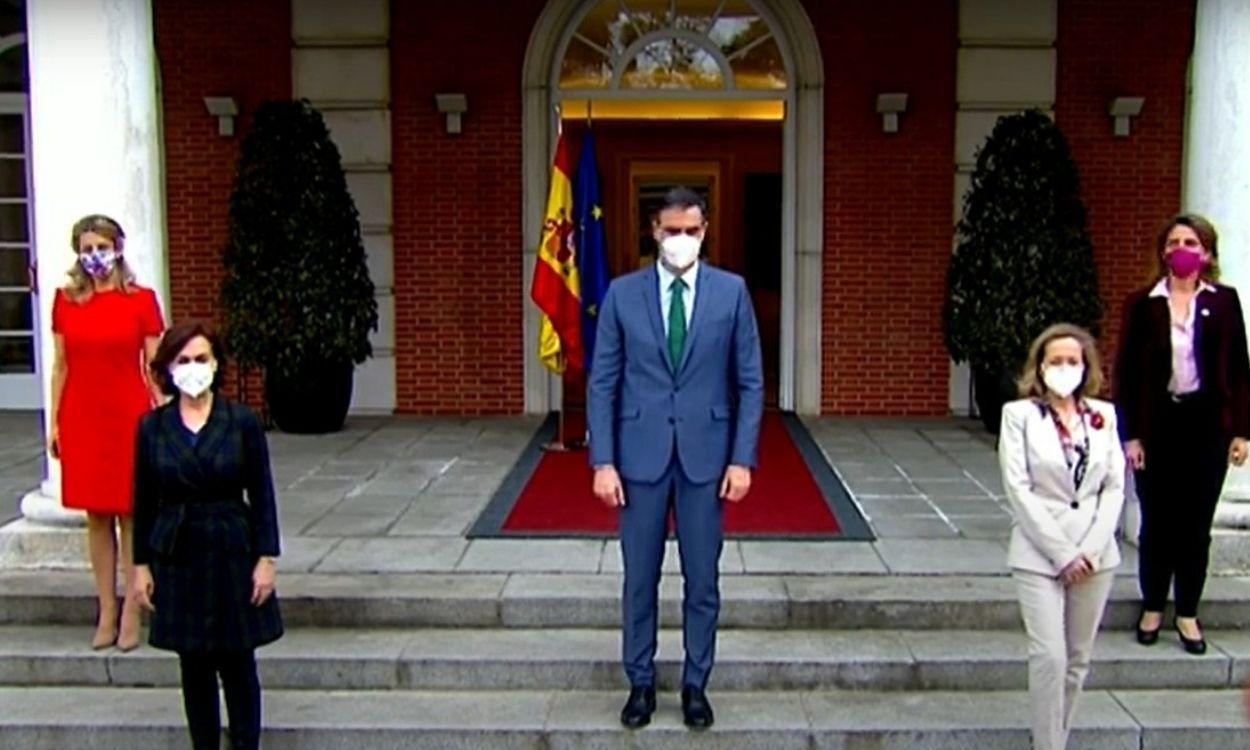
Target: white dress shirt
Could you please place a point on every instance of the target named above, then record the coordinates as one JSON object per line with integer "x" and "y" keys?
{"x": 690, "y": 277}
{"x": 1184, "y": 359}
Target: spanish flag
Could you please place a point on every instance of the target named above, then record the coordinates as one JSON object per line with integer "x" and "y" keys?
{"x": 556, "y": 289}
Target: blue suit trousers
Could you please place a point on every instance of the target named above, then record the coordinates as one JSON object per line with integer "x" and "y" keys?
{"x": 700, "y": 537}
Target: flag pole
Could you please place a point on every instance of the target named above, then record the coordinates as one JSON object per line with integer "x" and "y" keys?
{"x": 559, "y": 445}
{"x": 577, "y": 443}
{"x": 562, "y": 444}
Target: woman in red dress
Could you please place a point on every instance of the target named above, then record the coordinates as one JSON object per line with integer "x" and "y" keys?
{"x": 106, "y": 328}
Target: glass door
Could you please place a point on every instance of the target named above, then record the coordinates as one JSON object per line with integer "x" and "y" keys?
{"x": 19, "y": 370}
{"x": 648, "y": 182}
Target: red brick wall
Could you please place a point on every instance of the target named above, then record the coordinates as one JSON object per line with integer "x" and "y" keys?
{"x": 1130, "y": 185}
{"x": 886, "y": 244}
{"x": 221, "y": 48}
{"x": 888, "y": 204}
{"x": 888, "y": 198}
{"x": 457, "y": 208}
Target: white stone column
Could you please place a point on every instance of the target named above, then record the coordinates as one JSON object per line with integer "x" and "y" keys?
{"x": 1217, "y": 168}
{"x": 95, "y": 148}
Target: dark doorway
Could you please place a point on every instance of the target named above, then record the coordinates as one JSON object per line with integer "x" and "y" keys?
{"x": 736, "y": 165}
{"x": 761, "y": 239}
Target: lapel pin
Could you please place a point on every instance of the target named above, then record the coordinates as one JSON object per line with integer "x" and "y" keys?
{"x": 1206, "y": 312}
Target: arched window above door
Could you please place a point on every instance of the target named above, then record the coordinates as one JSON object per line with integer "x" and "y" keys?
{"x": 679, "y": 45}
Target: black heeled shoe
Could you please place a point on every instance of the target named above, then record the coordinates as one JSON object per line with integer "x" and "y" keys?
{"x": 1195, "y": 646}
{"x": 1148, "y": 637}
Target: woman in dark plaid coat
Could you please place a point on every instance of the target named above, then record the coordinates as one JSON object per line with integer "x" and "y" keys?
{"x": 204, "y": 555}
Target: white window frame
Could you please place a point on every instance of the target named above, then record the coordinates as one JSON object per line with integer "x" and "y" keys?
{"x": 22, "y": 390}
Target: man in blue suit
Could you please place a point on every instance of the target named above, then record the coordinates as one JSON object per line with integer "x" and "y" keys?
{"x": 675, "y": 398}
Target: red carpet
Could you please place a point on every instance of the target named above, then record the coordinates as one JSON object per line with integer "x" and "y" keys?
{"x": 784, "y": 499}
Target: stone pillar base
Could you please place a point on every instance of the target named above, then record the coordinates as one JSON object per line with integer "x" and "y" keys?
{"x": 1130, "y": 521}
{"x": 1230, "y": 535}
{"x": 1230, "y": 552}
{"x": 47, "y": 537}
{"x": 42, "y": 506}
{"x": 26, "y": 545}
{"x": 1232, "y": 515}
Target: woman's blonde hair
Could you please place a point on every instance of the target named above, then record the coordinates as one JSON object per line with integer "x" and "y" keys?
{"x": 80, "y": 286}
{"x": 1031, "y": 384}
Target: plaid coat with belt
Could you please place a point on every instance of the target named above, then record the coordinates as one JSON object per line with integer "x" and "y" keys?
{"x": 198, "y": 534}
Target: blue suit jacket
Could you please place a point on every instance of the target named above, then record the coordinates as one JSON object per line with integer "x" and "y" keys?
{"x": 641, "y": 407}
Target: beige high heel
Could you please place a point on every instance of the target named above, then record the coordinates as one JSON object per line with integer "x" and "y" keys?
{"x": 105, "y": 633}
{"x": 128, "y": 637}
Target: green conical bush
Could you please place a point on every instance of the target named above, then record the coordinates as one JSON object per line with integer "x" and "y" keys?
{"x": 296, "y": 293}
{"x": 1024, "y": 258}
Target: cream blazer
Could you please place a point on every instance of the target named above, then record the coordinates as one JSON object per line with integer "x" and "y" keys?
{"x": 1054, "y": 520}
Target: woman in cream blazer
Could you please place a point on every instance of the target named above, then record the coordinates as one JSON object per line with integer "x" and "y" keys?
{"x": 1063, "y": 472}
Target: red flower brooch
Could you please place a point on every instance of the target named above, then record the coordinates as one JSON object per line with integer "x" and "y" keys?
{"x": 1095, "y": 420}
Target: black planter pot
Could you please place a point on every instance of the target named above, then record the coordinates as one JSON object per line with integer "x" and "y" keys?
{"x": 992, "y": 389}
{"x": 315, "y": 402}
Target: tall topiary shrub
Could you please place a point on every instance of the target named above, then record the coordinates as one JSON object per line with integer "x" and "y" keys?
{"x": 1023, "y": 260}
{"x": 297, "y": 300}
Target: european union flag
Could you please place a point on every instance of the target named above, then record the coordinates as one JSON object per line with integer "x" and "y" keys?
{"x": 592, "y": 264}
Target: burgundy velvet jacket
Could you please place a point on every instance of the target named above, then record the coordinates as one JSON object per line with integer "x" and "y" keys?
{"x": 1144, "y": 365}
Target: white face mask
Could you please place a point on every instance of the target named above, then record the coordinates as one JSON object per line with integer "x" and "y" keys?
{"x": 1063, "y": 380}
{"x": 680, "y": 250}
{"x": 193, "y": 378}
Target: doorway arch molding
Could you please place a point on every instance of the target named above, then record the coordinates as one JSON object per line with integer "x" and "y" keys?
{"x": 802, "y": 239}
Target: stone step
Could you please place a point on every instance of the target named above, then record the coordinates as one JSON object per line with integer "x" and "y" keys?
{"x": 140, "y": 718}
{"x": 529, "y": 600}
{"x": 524, "y": 659}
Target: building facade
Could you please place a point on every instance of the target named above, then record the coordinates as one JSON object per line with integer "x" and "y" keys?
{"x": 840, "y": 216}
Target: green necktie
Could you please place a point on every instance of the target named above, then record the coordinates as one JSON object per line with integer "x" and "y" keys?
{"x": 676, "y": 321}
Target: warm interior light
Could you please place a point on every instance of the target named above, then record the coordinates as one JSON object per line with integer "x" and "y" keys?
{"x": 675, "y": 109}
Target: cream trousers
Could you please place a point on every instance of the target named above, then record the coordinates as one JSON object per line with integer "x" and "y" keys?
{"x": 1061, "y": 622}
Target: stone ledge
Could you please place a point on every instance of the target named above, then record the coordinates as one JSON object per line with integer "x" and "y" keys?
{"x": 588, "y": 659}
{"x": 152, "y": 718}
{"x": 27, "y": 545}
{"x": 525, "y": 600}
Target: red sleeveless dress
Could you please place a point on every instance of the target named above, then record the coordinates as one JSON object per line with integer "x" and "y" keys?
{"x": 104, "y": 394}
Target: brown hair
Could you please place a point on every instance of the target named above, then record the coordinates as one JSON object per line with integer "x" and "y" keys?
{"x": 1030, "y": 383}
{"x": 1206, "y": 235}
{"x": 682, "y": 198}
{"x": 173, "y": 342}
{"x": 80, "y": 285}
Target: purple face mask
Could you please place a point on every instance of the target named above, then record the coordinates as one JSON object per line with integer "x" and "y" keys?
{"x": 98, "y": 263}
{"x": 1184, "y": 262}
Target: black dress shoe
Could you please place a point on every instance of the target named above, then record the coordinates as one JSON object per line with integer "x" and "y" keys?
{"x": 695, "y": 708}
{"x": 1196, "y": 646}
{"x": 1147, "y": 637}
{"x": 639, "y": 707}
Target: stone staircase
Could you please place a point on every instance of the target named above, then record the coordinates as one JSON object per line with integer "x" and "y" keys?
{"x": 530, "y": 661}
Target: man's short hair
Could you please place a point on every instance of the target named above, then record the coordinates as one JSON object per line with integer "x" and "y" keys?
{"x": 682, "y": 198}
